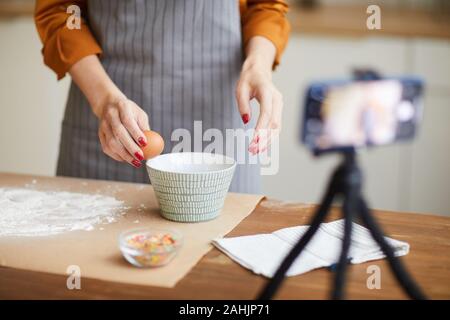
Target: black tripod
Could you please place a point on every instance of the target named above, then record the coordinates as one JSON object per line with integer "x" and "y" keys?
{"x": 345, "y": 182}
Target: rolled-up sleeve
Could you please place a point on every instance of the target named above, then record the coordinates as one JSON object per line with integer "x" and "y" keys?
{"x": 266, "y": 18}
{"x": 63, "y": 47}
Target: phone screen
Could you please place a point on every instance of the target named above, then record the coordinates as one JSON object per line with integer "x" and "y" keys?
{"x": 361, "y": 113}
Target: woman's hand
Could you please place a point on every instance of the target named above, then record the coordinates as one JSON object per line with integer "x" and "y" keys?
{"x": 256, "y": 82}
{"x": 121, "y": 127}
{"x": 122, "y": 121}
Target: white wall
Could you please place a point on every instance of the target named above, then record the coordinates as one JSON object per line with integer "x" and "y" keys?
{"x": 31, "y": 102}
{"x": 411, "y": 177}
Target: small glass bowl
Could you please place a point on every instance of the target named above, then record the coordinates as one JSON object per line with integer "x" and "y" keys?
{"x": 148, "y": 247}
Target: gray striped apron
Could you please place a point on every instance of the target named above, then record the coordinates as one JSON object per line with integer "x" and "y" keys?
{"x": 179, "y": 60}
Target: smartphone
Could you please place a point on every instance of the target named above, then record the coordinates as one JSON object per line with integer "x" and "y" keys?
{"x": 343, "y": 114}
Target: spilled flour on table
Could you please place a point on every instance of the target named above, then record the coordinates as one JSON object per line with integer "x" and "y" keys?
{"x": 25, "y": 212}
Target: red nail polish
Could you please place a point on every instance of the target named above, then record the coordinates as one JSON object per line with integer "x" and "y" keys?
{"x": 139, "y": 156}
{"x": 136, "y": 163}
{"x": 245, "y": 118}
{"x": 142, "y": 142}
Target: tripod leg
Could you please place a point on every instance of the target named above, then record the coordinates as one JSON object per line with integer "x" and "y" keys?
{"x": 396, "y": 265}
{"x": 348, "y": 209}
{"x": 352, "y": 187}
{"x": 319, "y": 216}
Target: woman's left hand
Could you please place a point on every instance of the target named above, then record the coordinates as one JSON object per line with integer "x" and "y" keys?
{"x": 256, "y": 82}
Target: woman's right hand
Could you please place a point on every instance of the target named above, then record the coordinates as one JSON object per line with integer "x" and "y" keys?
{"x": 122, "y": 122}
{"x": 121, "y": 127}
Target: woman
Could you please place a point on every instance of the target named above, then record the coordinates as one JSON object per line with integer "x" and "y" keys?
{"x": 167, "y": 62}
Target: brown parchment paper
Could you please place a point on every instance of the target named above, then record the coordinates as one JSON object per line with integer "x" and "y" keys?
{"x": 97, "y": 253}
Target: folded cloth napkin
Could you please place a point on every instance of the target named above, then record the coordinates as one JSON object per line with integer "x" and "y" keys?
{"x": 263, "y": 253}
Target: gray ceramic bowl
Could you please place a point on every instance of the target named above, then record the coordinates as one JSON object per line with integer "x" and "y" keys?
{"x": 191, "y": 186}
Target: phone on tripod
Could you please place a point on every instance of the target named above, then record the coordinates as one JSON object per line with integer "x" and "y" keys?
{"x": 341, "y": 116}
{"x": 352, "y": 114}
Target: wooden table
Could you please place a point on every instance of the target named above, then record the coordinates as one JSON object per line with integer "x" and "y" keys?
{"x": 218, "y": 277}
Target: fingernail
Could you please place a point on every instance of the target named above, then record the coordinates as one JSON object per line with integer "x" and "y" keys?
{"x": 136, "y": 163}
{"x": 142, "y": 142}
{"x": 139, "y": 156}
{"x": 245, "y": 118}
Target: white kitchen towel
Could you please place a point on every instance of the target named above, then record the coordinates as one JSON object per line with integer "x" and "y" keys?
{"x": 263, "y": 253}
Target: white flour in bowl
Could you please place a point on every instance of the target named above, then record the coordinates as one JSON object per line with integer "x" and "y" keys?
{"x": 25, "y": 212}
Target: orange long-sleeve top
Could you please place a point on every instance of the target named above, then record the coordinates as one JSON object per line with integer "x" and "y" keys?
{"x": 63, "y": 47}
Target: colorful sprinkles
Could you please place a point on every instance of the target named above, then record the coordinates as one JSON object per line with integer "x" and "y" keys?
{"x": 153, "y": 249}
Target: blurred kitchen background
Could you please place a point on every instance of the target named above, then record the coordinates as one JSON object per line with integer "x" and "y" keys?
{"x": 329, "y": 38}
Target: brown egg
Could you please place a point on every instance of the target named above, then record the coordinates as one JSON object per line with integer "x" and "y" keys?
{"x": 155, "y": 144}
